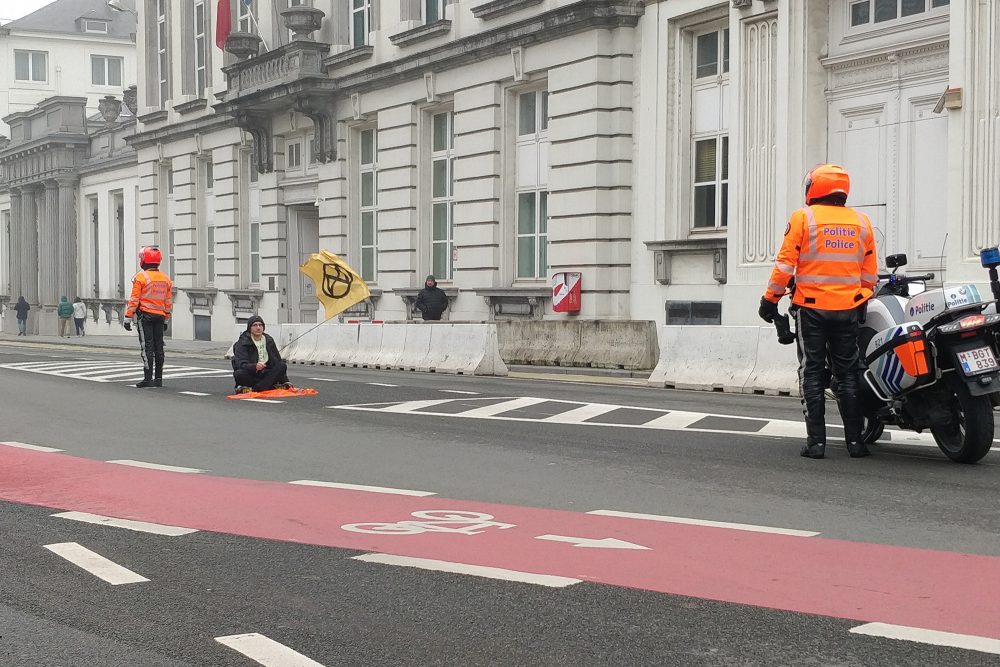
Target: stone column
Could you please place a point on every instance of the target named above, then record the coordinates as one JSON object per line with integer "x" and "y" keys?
{"x": 48, "y": 246}
{"x": 29, "y": 244}
{"x": 16, "y": 250}
{"x": 65, "y": 200}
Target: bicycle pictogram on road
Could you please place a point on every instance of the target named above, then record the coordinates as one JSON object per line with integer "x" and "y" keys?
{"x": 433, "y": 521}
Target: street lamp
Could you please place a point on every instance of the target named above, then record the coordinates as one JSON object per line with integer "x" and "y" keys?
{"x": 119, "y": 6}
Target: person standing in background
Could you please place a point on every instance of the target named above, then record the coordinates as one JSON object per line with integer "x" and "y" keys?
{"x": 65, "y": 312}
{"x": 79, "y": 315}
{"x": 21, "y": 309}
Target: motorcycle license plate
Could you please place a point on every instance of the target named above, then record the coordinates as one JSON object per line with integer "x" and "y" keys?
{"x": 979, "y": 360}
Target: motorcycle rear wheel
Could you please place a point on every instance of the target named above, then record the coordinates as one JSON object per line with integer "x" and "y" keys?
{"x": 874, "y": 427}
{"x": 969, "y": 438}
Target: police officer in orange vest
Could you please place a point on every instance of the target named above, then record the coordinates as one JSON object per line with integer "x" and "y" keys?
{"x": 830, "y": 250}
{"x": 150, "y": 305}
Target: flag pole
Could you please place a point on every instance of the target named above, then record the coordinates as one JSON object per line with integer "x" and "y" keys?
{"x": 257, "y": 25}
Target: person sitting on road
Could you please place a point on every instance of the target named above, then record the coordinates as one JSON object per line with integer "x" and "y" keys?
{"x": 257, "y": 364}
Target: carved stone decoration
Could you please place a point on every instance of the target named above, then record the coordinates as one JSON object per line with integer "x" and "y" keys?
{"x": 258, "y": 125}
{"x": 110, "y": 108}
{"x": 741, "y": 4}
{"x": 243, "y": 45}
{"x": 324, "y": 143}
{"x": 131, "y": 97}
{"x": 303, "y": 21}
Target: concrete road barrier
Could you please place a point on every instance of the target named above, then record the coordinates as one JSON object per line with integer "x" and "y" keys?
{"x": 776, "y": 372}
{"x": 335, "y": 343}
{"x": 470, "y": 349}
{"x": 627, "y": 344}
{"x": 368, "y": 347}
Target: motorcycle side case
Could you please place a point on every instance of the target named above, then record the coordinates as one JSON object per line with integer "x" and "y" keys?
{"x": 904, "y": 365}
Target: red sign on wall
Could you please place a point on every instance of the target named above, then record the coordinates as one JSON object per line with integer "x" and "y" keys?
{"x": 566, "y": 292}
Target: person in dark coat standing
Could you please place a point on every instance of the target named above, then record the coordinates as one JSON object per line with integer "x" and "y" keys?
{"x": 257, "y": 364}
{"x": 431, "y": 300}
{"x": 21, "y": 309}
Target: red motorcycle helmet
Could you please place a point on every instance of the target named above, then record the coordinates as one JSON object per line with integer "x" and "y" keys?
{"x": 150, "y": 254}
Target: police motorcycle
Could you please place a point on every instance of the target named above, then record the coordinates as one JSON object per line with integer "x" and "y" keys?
{"x": 930, "y": 361}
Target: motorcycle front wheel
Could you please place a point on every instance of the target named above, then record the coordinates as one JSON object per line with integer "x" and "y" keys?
{"x": 874, "y": 427}
{"x": 970, "y": 435}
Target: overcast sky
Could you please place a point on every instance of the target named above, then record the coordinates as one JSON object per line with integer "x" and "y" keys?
{"x": 15, "y": 9}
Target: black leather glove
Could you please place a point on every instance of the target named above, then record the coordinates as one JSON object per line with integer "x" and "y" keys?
{"x": 127, "y": 324}
{"x": 768, "y": 310}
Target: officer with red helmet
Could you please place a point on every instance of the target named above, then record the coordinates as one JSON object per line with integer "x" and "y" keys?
{"x": 830, "y": 250}
{"x": 150, "y": 305}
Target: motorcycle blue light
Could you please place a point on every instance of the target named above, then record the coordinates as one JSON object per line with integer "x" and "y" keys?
{"x": 989, "y": 257}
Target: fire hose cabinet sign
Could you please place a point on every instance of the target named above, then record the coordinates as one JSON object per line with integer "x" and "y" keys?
{"x": 566, "y": 292}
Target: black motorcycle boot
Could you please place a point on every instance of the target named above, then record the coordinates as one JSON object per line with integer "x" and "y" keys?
{"x": 813, "y": 451}
{"x": 147, "y": 379}
{"x": 857, "y": 449}
{"x": 158, "y": 374}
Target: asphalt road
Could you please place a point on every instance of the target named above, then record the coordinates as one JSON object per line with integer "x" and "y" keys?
{"x": 644, "y": 451}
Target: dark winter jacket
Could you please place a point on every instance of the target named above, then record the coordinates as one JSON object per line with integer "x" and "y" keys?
{"x": 431, "y": 301}
{"x": 22, "y": 308}
{"x": 65, "y": 309}
{"x": 245, "y": 350}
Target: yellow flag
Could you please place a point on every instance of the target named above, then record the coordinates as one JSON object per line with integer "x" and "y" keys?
{"x": 338, "y": 286}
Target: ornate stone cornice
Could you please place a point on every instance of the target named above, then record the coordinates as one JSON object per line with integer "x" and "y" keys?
{"x": 899, "y": 62}
{"x": 497, "y": 8}
{"x": 421, "y": 33}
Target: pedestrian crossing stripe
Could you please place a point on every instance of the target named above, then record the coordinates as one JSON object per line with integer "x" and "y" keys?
{"x": 110, "y": 371}
{"x": 551, "y": 411}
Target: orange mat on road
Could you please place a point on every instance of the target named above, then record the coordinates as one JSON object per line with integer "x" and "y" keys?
{"x": 275, "y": 393}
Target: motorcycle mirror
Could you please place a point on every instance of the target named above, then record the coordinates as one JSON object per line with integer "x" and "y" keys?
{"x": 896, "y": 261}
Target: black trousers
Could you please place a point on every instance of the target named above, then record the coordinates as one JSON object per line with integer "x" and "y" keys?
{"x": 833, "y": 335}
{"x": 150, "y": 329}
{"x": 272, "y": 374}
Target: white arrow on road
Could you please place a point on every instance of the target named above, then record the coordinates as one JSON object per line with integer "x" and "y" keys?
{"x": 590, "y": 543}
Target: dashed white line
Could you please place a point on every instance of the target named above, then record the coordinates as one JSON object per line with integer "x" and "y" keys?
{"x": 704, "y": 522}
{"x": 262, "y": 400}
{"x": 34, "y": 448}
{"x": 324, "y": 379}
{"x": 265, "y": 651}
{"x": 193, "y": 393}
{"x": 935, "y": 637}
{"x": 506, "y": 406}
{"x": 549, "y": 580}
{"x": 96, "y": 564}
{"x": 140, "y": 526}
{"x": 456, "y": 391}
{"x": 155, "y": 466}
{"x": 362, "y": 487}
{"x": 382, "y": 384}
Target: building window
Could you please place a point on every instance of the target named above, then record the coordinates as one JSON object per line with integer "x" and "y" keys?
{"x": 434, "y": 10}
{"x": 246, "y": 12}
{"x": 694, "y": 312}
{"x": 709, "y": 131}
{"x": 31, "y": 66}
{"x": 162, "y": 59}
{"x": 170, "y": 181}
{"x": 294, "y": 155}
{"x": 532, "y": 184}
{"x": 442, "y": 194}
{"x": 200, "y": 48}
{"x": 868, "y": 12}
{"x": 368, "y": 179}
{"x": 95, "y": 26}
{"x": 361, "y": 22}
{"x": 209, "y": 175}
{"x": 172, "y": 252}
{"x": 106, "y": 71}
{"x": 210, "y": 253}
{"x": 255, "y": 253}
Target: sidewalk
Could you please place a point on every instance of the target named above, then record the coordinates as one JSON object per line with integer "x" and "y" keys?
{"x": 129, "y": 343}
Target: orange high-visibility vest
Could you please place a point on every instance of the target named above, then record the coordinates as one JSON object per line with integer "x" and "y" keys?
{"x": 152, "y": 292}
{"x": 831, "y": 252}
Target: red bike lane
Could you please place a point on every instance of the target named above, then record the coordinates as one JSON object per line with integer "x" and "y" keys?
{"x": 936, "y": 590}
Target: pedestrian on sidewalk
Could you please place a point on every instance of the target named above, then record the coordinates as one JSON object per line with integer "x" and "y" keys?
{"x": 257, "y": 364}
{"x": 79, "y": 315}
{"x": 431, "y": 300}
{"x": 65, "y": 312}
{"x": 21, "y": 309}
{"x": 149, "y": 305}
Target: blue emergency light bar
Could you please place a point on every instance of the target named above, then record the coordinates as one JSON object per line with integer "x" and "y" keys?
{"x": 989, "y": 257}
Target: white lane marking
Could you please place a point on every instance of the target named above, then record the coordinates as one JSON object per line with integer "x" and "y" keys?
{"x": 410, "y": 406}
{"x": 155, "y": 466}
{"x": 128, "y": 524}
{"x": 505, "y": 406}
{"x": 265, "y": 651}
{"x": 592, "y": 542}
{"x": 324, "y": 380}
{"x": 382, "y": 384}
{"x": 96, "y": 564}
{"x": 582, "y": 413}
{"x": 935, "y": 637}
{"x": 705, "y": 522}
{"x": 456, "y": 391}
{"x": 193, "y": 393}
{"x": 362, "y": 487}
{"x": 549, "y": 580}
{"x": 34, "y": 448}
{"x": 783, "y": 429}
{"x": 675, "y": 419}
{"x": 262, "y": 400}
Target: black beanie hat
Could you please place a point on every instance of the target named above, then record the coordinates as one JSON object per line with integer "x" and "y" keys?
{"x": 255, "y": 318}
